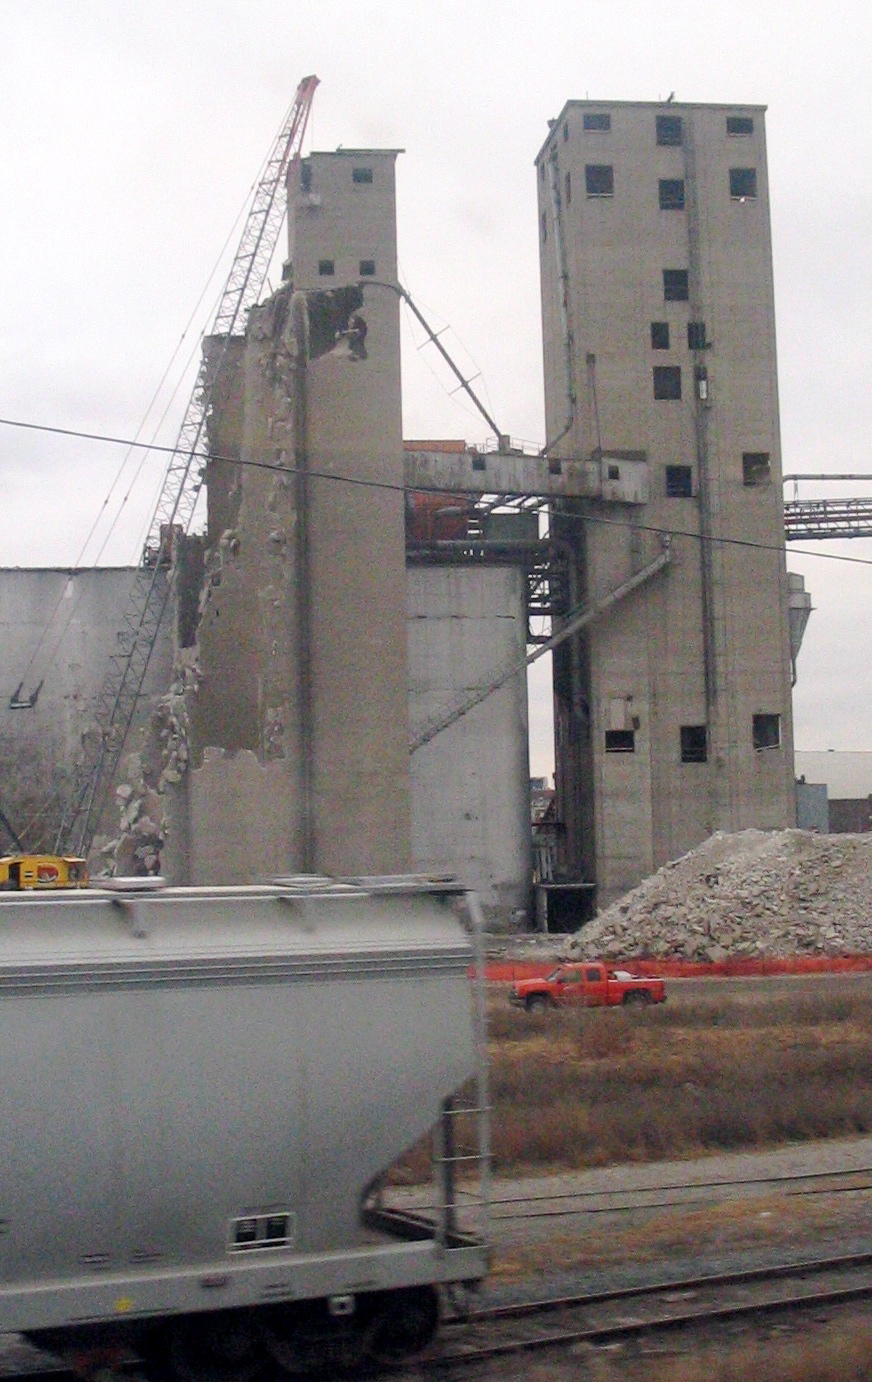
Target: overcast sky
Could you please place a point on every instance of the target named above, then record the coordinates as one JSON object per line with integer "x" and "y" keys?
{"x": 132, "y": 133}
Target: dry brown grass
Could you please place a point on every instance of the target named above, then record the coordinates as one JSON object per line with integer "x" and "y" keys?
{"x": 572, "y": 1089}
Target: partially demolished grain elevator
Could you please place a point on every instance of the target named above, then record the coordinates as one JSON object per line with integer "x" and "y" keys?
{"x": 349, "y": 691}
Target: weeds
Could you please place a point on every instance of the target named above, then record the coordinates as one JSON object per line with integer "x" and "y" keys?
{"x": 581, "y": 1088}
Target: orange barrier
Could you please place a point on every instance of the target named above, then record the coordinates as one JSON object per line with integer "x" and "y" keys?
{"x": 505, "y": 971}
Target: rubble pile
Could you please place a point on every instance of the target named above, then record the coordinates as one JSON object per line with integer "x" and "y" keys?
{"x": 755, "y": 893}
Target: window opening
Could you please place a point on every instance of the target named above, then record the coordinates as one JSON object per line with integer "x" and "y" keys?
{"x": 740, "y": 124}
{"x": 567, "y": 182}
{"x": 669, "y": 129}
{"x": 767, "y": 731}
{"x": 660, "y": 335}
{"x": 599, "y": 179}
{"x": 679, "y": 482}
{"x": 667, "y": 381}
{"x": 367, "y": 268}
{"x": 544, "y": 228}
{"x": 326, "y": 268}
{"x": 671, "y": 191}
{"x": 696, "y": 336}
{"x": 743, "y": 183}
{"x": 755, "y": 468}
{"x": 694, "y": 744}
{"x": 614, "y": 472}
{"x": 593, "y": 120}
{"x": 593, "y": 976}
{"x": 620, "y": 741}
{"x": 565, "y": 130}
{"x": 675, "y": 285}
{"x": 361, "y": 175}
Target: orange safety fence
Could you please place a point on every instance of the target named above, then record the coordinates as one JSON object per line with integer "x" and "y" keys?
{"x": 739, "y": 967}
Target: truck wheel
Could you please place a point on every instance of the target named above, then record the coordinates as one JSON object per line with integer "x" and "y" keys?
{"x": 639, "y": 999}
{"x": 537, "y": 1003}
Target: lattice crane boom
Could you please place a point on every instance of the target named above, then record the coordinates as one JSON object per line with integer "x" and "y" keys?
{"x": 118, "y": 696}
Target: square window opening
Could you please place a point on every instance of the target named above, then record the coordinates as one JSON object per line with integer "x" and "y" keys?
{"x": 594, "y": 120}
{"x": 671, "y": 193}
{"x": 667, "y": 381}
{"x": 755, "y": 468}
{"x": 361, "y": 175}
{"x": 694, "y": 744}
{"x": 367, "y": 268}
{"x": 740, "y": 124}
{"x": 599, "y": 180}
{"x": 326, "y": 268}
{"x": 669, "y": 130}
{"x": 676, "y": 286}
{"x": 620, "y": 741}
{"x": 660, "y": 335}
{"x": 679, "y": 482}
{"x": 614, "y": 472}
{"x": 743, "y": 184}
{"x": 767, "y": 731}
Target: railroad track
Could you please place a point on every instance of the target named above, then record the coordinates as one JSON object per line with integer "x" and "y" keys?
{"x": 603, "y": 1317}
{"x": 610, "y": 1316}
{"x": 560, "y": 1204}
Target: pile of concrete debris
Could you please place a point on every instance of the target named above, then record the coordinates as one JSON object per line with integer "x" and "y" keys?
{"x": 755, "y": 893}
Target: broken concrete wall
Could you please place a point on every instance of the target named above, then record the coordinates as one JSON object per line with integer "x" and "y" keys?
{"x": 246, "y": 704}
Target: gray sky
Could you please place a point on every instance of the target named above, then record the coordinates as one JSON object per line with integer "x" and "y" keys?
{"x": 132, "y": 133}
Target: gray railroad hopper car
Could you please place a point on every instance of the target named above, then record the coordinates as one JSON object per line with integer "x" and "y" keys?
{"x": 201, "y": 1092}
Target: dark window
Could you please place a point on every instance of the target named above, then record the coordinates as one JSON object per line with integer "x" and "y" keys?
{"x": 696, "y": 336}
{"x": 594, "y": 121}
{"x": 740, "y": 124}
{"x": 326, "y": 268}
{"x": 767, "y": 731}
{"x": 567, "y": 182}
{"x": 671, "y": 194}
{"x": 667, "y": 381}
{"x": 755, "y": 468}
{"x": 614, "y": 472}
{"x": 593, "y": 976}
{"x": 565, "y": 130}
{"x": 599, "y": 180}
{"x": 743, "y": 183}
{"x": 306, "y": 175}
{"x": 660, "y": 335}
{"x": 620, "y": 741}
{"x": 367, "y": 268}
{"x": 675, "y": 285}
{"x": 361, "y": 175}
{"x": 679, "y": 482}
{"x": 668, "y": 129}
{"x": 541, "y": 172}
{"x": 694, "y": 744}
{"x": 544, "y": 228}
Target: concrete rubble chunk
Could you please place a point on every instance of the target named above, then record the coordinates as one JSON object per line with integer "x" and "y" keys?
{"x": 755, "y": 892}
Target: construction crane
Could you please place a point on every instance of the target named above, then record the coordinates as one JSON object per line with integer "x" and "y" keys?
{"x": 119, "y": 694}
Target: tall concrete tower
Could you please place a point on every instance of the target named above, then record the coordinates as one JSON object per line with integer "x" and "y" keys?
{"x": 300, "y": 755}
{"x": 674, "y": 712}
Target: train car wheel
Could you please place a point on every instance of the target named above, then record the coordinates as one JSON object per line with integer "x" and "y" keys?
{"x": 223, "y": 1347}
{"x": 304, "y": 1338}
{"x": 405, "y": 1324}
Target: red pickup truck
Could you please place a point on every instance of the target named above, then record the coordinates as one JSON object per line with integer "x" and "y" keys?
{"x": 586, "y": 985}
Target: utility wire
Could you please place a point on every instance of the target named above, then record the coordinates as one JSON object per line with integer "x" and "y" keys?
{"x": 747, "y": 543}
